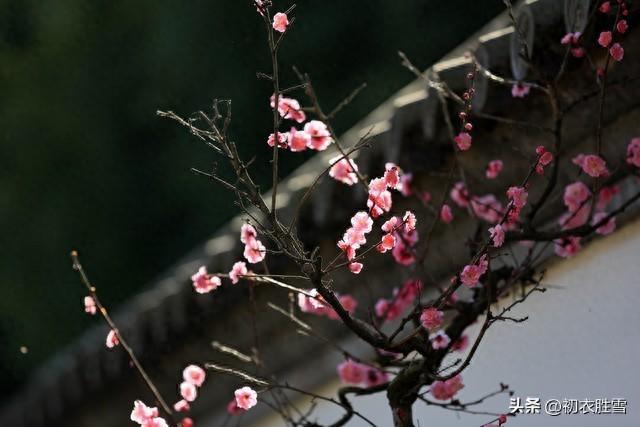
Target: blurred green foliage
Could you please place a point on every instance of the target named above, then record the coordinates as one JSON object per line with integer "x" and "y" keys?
{"x": 86, "y": 163}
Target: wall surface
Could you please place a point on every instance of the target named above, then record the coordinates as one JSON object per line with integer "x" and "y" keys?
{"x": 581, "y": 341}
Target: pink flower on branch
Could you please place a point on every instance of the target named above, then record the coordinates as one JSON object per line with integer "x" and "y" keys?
{"x": 246, "y": 398}
{"x": 519, "y": 90}
{"x": 431, "y": 318}
{"x": 608, "y": 227}
{"x": 471, "y": 273}
{"x": 446, "y": 215}
{"x": 575, "y": 195}
{"x": 493, "y": 169}
{"x": 112, "y": 339}
{"x": 188, "y": 391}
{"x": 617, "y": 52}
{"x": 298, "y": 140}
{"x": 89, "y": 305}
{"x": 239, "y": 269}
{"x": 280, "y": 22}
{"x": 351, "y": 372}
{"x": 439, "y": 340}
{"x": 343, "y": 170}
{"x": 204, "y": 282}
{"x": 633, "y": 152}
{"x": 319, "y": 134}
{"x": 289, "y": 108}
{"x": 194, "y": 374}
{"x": 605, "y": 38}
{"x": 445, "y": 390}
{"x": 463, "y": 141}
{"x": 497, "y": 235}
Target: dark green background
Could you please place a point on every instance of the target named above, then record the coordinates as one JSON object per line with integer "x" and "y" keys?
{"x": 86, "y": 164}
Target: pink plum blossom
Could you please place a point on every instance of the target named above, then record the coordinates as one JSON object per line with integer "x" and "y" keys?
{"x": 112, "y": 339}
{"x": 343, "y": 170}
{"x": 439, "y": 340}
{"x": 519, "y": 90}
{"x": 605, "y": 38}
{"x": 181, "y": 406}
{"x": 493, "y": 169}
{"x": 592, "y": 165}
{"x": 445, "y": 390}
{"x": 575, "y": 195}
{"x": 497, "y": 235}
{"x": 544, "y": 159}
{"x": 608, "y": 227}
{"x": 289, "y": 108}
{"x": 622, "y": 26}
{"x": 203, "y": 282}
{"x": 387, "y": 243}
{"x": 146, "y": 416}
{"x": 633, "y": 152}
{"x": 282, "y": 140}
{"x": 254, "y": 251}
{"x": 280, "y": 22}
{"x": 319, "y": 133}
{"x": 311, "y": 302}
{"x": 351, "y": 372}
{"x": 392, "y": 176}
{"x": 463, "y": 141}
{"x": 409, "y": 220}
{"x": 460, "y": 195}
{"x": 246, "y": 398}
{"x": 471, "y": 273}
{"x": 431, "y": 318}
{"x": 617, "y": 52}
{"x": 362, "y": 222}
{"x": 446, "y": 215}
{"x": 571, "y": 38}
{"x": 605, "y": 7}
{"x": 355, "y": 267}
{"x": 568, "y": 247}
{"x": 188, "y": 391}
{"x": 194, "y": 374}
{"x": 298, "y": 140}
{"x": 247, "y": 233}
{"x": 89, "y": 305}
{"x": 239, "y": 269}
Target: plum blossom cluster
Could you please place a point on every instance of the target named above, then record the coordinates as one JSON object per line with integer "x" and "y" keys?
{"x": 254, "y": 250}
{"x": 399, "y": 234}
{"x": 400, "y": 237}
{"x": 314, "y": 135}
{"x": 610, "y": 40}
{"x": 146, "y": 416}
{"x": 391, "y": 309}
{"x": 355, "y": 373}
{"x": 193, "y": 377}
{"x": 471, "y": 273}
{"x": 607, "y": 39}
{"x": 446, "y": 390}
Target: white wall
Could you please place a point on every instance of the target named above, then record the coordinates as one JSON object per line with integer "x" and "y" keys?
{"x": 581, "y": 341}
